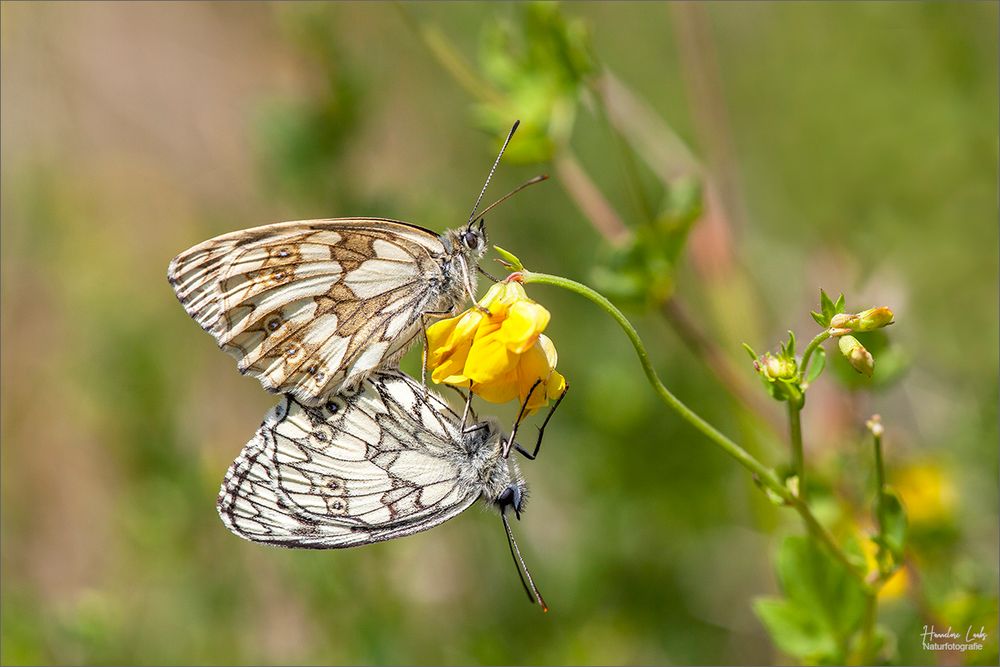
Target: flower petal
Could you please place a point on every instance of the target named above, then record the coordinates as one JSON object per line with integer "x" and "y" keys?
{"x": 533, "y": 367}
{"x": 488, "y": 358}
{"x": 440, "y": 333}
{"x": 555, "y": 385}
{"x": 500, "y": 390}
{"x": 500, "y": 356}
{"x": 525, "y": 320}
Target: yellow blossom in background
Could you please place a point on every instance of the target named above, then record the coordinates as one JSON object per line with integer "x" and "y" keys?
{"x": 927, "y": 491}
{"x": 895, "y": 587}
{"x": 498, "y": 349}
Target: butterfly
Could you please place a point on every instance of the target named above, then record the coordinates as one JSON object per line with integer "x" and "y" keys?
{"x": 314, "y": 306}
{"x": 385, "y": 460}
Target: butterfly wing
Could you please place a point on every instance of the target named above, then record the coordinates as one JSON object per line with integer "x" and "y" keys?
{"x": 369, "y": 466}
{"x": 311, "y": 307}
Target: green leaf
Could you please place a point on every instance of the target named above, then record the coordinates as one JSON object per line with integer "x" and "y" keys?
{"x": 825, "y": 305}
{"x": 640, "y": 272}
{"x": 795, "y": 631}
{"x": 539, "y": 64}
{"x": 838, "y": 307}
{"x": 816, "y": 365}
{"x": 820, "y": 319}
{"x": 821, "y": 587}
{"x": 829, "y": 308}
{"x": 895, "y": 524}
{"x": 753, "y": 355}
{"x": 790, "y": 348}
{"x": 513, "y": 263}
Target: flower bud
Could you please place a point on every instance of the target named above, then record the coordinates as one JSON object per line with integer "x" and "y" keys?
{"x": 874, "y": 318}
{"x": 778, "y": 368}
{"x": 867, "y": 320}
{"x": 875, "y": 425}
{"x": 842, "y": 321}
{"x": 860, "y": 358}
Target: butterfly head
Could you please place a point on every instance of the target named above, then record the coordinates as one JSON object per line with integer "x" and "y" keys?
{"x": 471, "y": 241}
{"x": 514, "y": 497}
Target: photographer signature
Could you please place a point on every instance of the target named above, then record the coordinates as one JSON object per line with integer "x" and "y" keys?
{"x": 951, "y": 640}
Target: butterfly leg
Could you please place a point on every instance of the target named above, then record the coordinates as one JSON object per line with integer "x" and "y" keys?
{"x": 541, "y": 430}
{"x": 468, "y": 408}
{"x": 520, "y": 416}
{"x": 487, "y": 274}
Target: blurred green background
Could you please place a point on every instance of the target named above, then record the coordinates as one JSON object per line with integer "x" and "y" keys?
{"x": 853, "y": 147}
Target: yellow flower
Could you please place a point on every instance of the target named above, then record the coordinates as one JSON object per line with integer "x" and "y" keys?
{"x": 497, "y": 349}
{"x": 928, "y": 492}
{"x": 897, "y": 584}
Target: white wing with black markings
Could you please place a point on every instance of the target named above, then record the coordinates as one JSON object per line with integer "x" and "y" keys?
{"x": 383, "y": 462}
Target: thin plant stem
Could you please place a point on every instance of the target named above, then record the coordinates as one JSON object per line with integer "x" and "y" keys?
{"x": 798, "y": 459}
{"x": 589, "y": 199}
{"x": 765, "y": 475}
{"x": 807, "y": 354}
{"x": 879, "y": 483}
{"x": 868, "y": 627}
{"x": 602, "y": 216}
{"x": 676, "y": 312}
{"x": 451, "y": 60}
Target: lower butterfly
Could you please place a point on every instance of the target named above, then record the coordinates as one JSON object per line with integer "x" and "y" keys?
{"x": 386, "y": 460}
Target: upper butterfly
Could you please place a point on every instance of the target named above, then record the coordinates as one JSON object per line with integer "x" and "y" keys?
{"x": 313, "y": 307}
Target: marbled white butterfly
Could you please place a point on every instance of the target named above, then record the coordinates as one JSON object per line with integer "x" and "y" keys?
{"x": 312, "y": 307}
{"x": 386, "y": 460}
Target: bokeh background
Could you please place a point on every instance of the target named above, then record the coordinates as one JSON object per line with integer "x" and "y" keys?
{"x": 846, "y": 146}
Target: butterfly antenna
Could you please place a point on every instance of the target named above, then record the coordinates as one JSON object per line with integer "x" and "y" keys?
{"x": 531, "y": 181}
{"x": 515, "y": 553}
{"x": 472, "y": 216}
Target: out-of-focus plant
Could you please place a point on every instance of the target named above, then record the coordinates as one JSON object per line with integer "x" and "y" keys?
{"x": 829, "y": 612}
{"x": 830, "y": 609}
{"x": 540, "y": 67}
{"x": 302, "y": 141}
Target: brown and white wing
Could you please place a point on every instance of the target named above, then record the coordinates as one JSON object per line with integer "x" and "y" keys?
{"x": 311, "y": 307}
{"x": 369, "y": 466}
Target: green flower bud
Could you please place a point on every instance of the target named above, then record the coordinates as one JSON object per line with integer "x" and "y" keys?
{"x": 777, "y": 368}
{"x": 868, "y": 320}
{"x": 874, "y": 318}
{"x": 860, "y": 358}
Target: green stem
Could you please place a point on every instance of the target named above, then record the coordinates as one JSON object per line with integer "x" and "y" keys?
{"x": 743, "y": 457}
{"x": 795, "y": 432}
{"x": 761, "y": 472}
{"x": 868, "y": 628}
{"x": 807, "y": 355}
{"x": 879, "y": 475}
{"x": 880, "y": 501}
{"x": 451, "y": 60}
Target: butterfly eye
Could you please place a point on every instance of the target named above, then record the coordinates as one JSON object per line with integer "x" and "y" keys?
{"x": 472, "y": 238}
{"x": 510, "y": 497}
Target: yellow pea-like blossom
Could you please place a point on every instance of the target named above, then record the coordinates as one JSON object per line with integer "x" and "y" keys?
{"x": 896, "y": 585}
{"x": 497, "y": 349}
{"x": 929, "y": 493}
